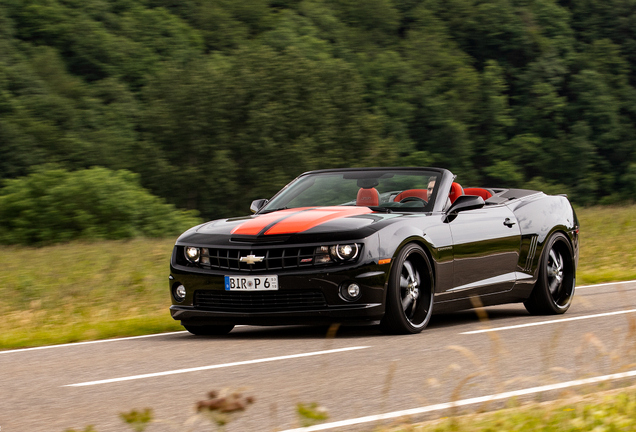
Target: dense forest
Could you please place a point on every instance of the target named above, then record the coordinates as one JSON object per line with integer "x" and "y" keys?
{"x": 213, "y": 103}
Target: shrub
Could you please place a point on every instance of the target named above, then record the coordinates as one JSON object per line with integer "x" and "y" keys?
{"x": 55, "y": 205}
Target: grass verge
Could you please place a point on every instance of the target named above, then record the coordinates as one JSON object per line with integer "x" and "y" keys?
{"x": 613, "y": 410}
{"x": 86, "y": 291}
{"x": 608, "y": 236}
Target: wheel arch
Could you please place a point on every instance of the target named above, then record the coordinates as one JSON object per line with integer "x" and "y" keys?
{"x": 420, "y": 241}
{"x": 539, "y": 257}
{"x": 539, "y": 219}
{"x": 408, "y": 307}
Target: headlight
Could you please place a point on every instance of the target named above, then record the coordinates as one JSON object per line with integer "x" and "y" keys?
{"x": 322, "y": 255}
{"x": 205, "y": 256}
{"x": 344, "y": 252}
{"x": 337, "y": 253}
{"x": 192, "y": 254}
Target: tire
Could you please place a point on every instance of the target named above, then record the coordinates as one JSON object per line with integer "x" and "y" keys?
{"x": 209, "y": 330}
{"x": 409, "y": 299}
{"x": 554, "y": 290}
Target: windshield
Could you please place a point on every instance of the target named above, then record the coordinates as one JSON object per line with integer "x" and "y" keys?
{"x": 391, "y": 189}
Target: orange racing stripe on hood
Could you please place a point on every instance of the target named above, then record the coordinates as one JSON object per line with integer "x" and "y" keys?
{"x": 302, "y": 221}
{"x": 296, "y": 220}
{"x": 259, "y": 222}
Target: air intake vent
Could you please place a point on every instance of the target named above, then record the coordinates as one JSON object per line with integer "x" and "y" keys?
{"x": 531, "y": 252}
{"x": 224, "y": 301}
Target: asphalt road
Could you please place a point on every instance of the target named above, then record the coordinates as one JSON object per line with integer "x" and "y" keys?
{"x": 359, "y": 373}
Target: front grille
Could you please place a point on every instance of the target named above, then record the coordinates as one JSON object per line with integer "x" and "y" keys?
{"x": 273, "y": 259}
{"x": 271, "y": 301}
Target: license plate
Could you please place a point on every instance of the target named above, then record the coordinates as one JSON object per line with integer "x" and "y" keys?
{"x": 251, "y": 283}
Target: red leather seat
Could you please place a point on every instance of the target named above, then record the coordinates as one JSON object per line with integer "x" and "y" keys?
{"x": 479, "y": 192}
{"x": 368, "y": 197}
{"x": 420, "y": 193}
{"x": 455, "y": 192}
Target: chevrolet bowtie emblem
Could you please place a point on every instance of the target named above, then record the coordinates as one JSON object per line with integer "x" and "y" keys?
{"x": 251, "y": 259}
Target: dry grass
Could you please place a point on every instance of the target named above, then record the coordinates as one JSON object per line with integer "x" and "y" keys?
{"x": 608, "y": 244}
{"x": 601, "y": 411}
{"x": 82, "y": 291}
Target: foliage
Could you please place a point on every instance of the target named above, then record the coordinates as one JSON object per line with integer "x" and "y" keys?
{"x": 138, "y": 420}
{"x": 231, "y": 99}
{"x": 54, "y": 205}
{"x": 311, "y": 413}
{"x": 224, "y": 406}
{"x": 595, "y": 412}
{"x": 602, "y": 411}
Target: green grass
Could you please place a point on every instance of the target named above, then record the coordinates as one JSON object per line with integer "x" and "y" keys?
{"x": 597, "y": 412}
{"x": 81, "y": 291}
{"x": 608, "y": 244}
{"x": 85, "y": 291}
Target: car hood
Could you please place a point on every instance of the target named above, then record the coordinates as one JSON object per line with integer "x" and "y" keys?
{"x": 352, "y": 222}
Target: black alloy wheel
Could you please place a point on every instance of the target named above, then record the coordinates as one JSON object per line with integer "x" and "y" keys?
{"x": 554, "y": 289}
{"x": 209, "y": 330}
{"x": 409, "y": 300}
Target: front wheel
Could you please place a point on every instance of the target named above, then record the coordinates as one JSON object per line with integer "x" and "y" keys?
{"x": 209, "y": 330}
{"x": 554, "y": 289}
{"x": 409, "y": 299}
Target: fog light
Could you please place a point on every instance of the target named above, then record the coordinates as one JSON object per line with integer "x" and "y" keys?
{"x": 350, "y": 291}
{"x": 179, "y": 293}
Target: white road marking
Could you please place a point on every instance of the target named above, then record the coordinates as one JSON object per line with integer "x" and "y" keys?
{"x": 605, "y": 284}
{"x": 90, "y": 342}
{"x": 217, "y": 366}
{"x": 464, "y": 402}
{"x": 576, "y": 318}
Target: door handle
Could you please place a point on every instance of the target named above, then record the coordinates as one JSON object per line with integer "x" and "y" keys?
{"x": 509, "y": 223}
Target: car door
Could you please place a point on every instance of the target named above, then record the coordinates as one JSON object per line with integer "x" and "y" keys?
{"x": 486, "y": 245}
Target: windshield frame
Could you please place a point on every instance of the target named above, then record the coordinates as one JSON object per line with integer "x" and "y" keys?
{"x": 444, "y": 178}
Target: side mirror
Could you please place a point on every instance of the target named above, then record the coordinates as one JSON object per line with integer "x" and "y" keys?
{"x": 258, "y": 204}
{"x": 466, "y": 202}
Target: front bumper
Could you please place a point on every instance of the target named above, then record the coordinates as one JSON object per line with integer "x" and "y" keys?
{"x": 273, "y": 307}
{"x": 189, "y": 315}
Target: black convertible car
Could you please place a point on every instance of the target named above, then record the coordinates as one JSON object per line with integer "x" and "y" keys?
{"x": 387, "y": 244}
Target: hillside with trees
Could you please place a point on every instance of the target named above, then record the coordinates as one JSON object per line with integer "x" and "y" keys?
{"x": 215, "y": 103}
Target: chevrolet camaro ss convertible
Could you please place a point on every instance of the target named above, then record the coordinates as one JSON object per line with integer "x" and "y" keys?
{"x": 391, "y": 245}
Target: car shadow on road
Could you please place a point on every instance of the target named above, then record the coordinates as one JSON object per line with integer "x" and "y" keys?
{"x": 368, "y": 329}
{"x": 489, "y": 314}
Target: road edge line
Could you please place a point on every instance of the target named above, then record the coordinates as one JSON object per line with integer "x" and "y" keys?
{"x": 464, "y": 402}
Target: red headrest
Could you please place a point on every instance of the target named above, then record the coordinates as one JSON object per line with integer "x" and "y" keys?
{"x": 456, "y": 191}
{"x": 420, "y": 193}
{"x": 368, "y": 197}
{"x": 479, "y": 192}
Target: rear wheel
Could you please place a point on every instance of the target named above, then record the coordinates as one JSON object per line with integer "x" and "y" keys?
{"x": 409, "y": 299}
{"x": 209, "y": 330}
{"x": 554, "y": 289}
